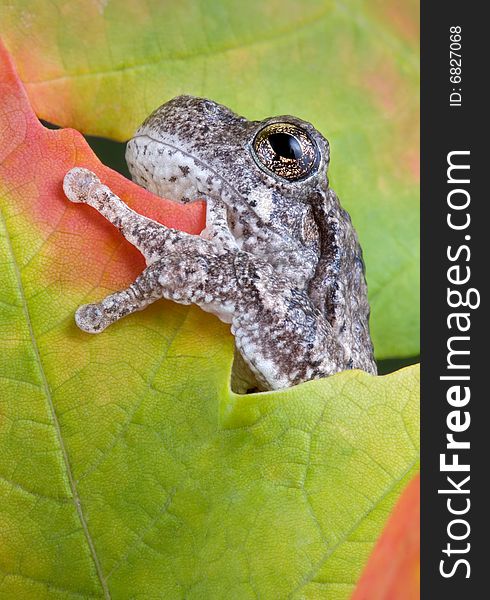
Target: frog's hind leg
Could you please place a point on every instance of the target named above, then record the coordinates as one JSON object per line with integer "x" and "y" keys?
{"x": 81, "y": 185}
{"x": 94, "y": 318}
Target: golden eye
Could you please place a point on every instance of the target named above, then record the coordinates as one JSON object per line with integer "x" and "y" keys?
{"x": 286, "y": 150}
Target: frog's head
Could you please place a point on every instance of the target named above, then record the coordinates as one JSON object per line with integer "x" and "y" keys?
{"x": 192, "y": 148}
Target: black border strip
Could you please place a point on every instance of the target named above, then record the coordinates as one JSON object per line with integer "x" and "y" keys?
{"x": 446, "y": 129}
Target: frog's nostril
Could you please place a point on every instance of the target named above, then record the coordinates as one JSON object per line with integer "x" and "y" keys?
{"x": 207, "y": 106}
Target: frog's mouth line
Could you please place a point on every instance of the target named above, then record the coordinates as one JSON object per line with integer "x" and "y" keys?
{"x": 170, "y": 172}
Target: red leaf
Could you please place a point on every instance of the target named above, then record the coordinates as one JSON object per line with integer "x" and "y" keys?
{"x": 35, "y": 159}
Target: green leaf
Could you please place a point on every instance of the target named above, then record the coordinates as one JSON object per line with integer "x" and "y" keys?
{"x": 350, "y": 68}
{"x": 134, "y": 472}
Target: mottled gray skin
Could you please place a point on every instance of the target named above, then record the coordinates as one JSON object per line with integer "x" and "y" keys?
{"x": 279, "y": 260}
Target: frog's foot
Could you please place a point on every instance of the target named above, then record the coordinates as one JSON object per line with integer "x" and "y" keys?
{"x": 78, "y": 184}
{"x": 81, "y": 185}
{"x": 91, "y": 318}
{"x": 217, "y": 228}
{"x": 221, "y": 238}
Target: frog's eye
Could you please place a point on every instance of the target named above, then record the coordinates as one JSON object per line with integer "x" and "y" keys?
{"x": 286, "y": 150}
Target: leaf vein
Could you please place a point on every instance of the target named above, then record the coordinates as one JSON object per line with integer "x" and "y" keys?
{"x": 54, "y": 416}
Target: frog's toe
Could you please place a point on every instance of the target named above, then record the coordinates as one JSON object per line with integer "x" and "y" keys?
{"x": 77, "y": 184}
{"x": 91, "y": 318}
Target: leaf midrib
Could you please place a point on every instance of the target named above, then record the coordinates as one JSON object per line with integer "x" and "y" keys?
{"x": 292, "y": 28}
{"x": 284, "y": 32}
{"x": 52, "y": 411}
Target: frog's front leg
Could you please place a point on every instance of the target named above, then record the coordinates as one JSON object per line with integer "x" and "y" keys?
{"x": 181, "y": 267}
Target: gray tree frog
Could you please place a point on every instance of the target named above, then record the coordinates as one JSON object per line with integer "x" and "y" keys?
{"x": 278, "y": 259}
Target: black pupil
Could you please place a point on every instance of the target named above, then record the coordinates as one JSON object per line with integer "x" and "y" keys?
{"x": 285, "y": 145}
